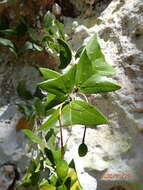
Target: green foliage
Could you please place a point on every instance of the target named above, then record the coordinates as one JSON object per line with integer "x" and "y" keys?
{"x": 65, "y": 53}
{"x": 49, "y": 74}
{"x": 84, "y": 69}
{"x": 17, "y": 32}
{"x": 23, "y": 92}
{"x": 29, "y": 46}
{"x": 62, "y": 85}
{"x": 76, "y": 112}
{"x": 9, "y": 44}
{"x": 52, "y": 39}
{"x": 97, "y": 84}
{"x": 46, "y": 186}
{"x": 60, "y": 101}
{"x": 62, "y": 169}
{"x": 34, "y": 138}
{"x": 31, "y": 178}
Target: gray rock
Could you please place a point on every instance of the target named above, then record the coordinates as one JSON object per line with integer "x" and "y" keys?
{"x": 88, "y": 8}
{"x": 8, "y": 176}
{"x": 12, "y": 142}
{"x": 115, "y": 151}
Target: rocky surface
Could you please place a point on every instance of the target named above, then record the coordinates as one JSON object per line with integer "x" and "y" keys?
{"x": 115, "y": 153}
{"x": 117, "y": 148}
{"x": 88, "y": 8}
{"x": 12, "y": 142}
{"x": 8, "y": 176}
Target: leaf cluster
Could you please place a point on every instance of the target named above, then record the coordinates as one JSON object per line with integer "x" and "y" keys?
{"x": 48, "y": 170}
{"x": 60, "y": 101}
{"x": 50, "y": 38}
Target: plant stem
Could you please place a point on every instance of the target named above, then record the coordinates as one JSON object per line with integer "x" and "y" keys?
{"x": 83, "y": 140}
{"x": 61, "y": 134}
{"x": 85, "y": 98}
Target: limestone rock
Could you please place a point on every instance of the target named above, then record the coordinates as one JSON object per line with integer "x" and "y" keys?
{"x": 88, "y": 8}
{"x": 8, "y": 176}
{"x": 12, "y": 142}
{"x": 117, "y": 148}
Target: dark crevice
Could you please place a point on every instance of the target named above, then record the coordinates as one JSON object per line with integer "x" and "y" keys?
{"x": 10, "y": 172}
{"x": 68, "y": 8}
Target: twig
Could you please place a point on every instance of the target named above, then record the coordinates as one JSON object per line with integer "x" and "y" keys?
{"x": 61, "y": 134}
{"x": 85, "y": 98}
{"x": 83, "y": 140}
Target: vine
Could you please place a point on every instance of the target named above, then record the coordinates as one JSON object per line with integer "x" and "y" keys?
{"x": 60, "y": 101}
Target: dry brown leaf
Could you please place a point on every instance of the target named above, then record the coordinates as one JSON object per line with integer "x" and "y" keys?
{"x": 23, "y": 123}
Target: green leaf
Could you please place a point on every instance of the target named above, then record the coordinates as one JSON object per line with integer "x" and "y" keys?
{"x": 100, "y": 67}
{"x": 9, "y": 44}
{"x": 50, "y": 123}
{"x": 31, "y": 177}
{"x": 40, "y": 107}
{"x": 34, "y": 138}
{"x": 60, "y": 27}
{"x": 80, "y": 112}
{"x": 84, "y": 69}
{"x": 50, "y": 138}
{"x": 68, "y": 183}
{"x": 23, "y": 92}
{"x": 47, "y": 187}
{"x": 50, "y": 98}
{"x": 25, "y": 109}
{"x": 98, "y": 84}
{"x": 38, "y": 93}
{"x": 49, "y": 74}
{"x": 49, "y": 135}
{"x": 76, "y": 112}
{"x": 53, "y": 179}
{"x": 79, "y": 51}
{"x": 75, "y": 185}
{"x": 54, "y": 100}
{"x": 53, "y": 155}
{"x": 62, "y": 169}
{"x": 48, "y": 39}
{"x": 9, "y": 33}
{"x": 49, "y": 155}
{"x": 65, "y": 53}
{"x": 33, "y": 34}
{"x": 97, "y": 58}
{"x": 30, "y": 46}
{"x": 93, "y": 49}
{"x": 48, "y": 20}
{"x": 17, "y": 32}
{"x": 72, "y": 164}
{"x": 62, "y": 187}
{"x": 21, "y": 28}
{"x": 62, "y": 85}
{"x": 57, "y": 155}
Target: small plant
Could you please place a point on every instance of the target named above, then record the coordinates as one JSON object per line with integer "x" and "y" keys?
{"x": 50, "y": 37}
{"x": 61, "y": 101}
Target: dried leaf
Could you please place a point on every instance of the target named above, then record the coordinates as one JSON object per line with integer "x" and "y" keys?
{"x": 23, "y": 123}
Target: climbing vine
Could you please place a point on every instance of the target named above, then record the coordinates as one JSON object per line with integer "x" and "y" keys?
{"x": 59, "y": 101}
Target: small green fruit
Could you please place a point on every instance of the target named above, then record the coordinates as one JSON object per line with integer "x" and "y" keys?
{"x": 82, "y": 150}
{"x": 62, "y": 169}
